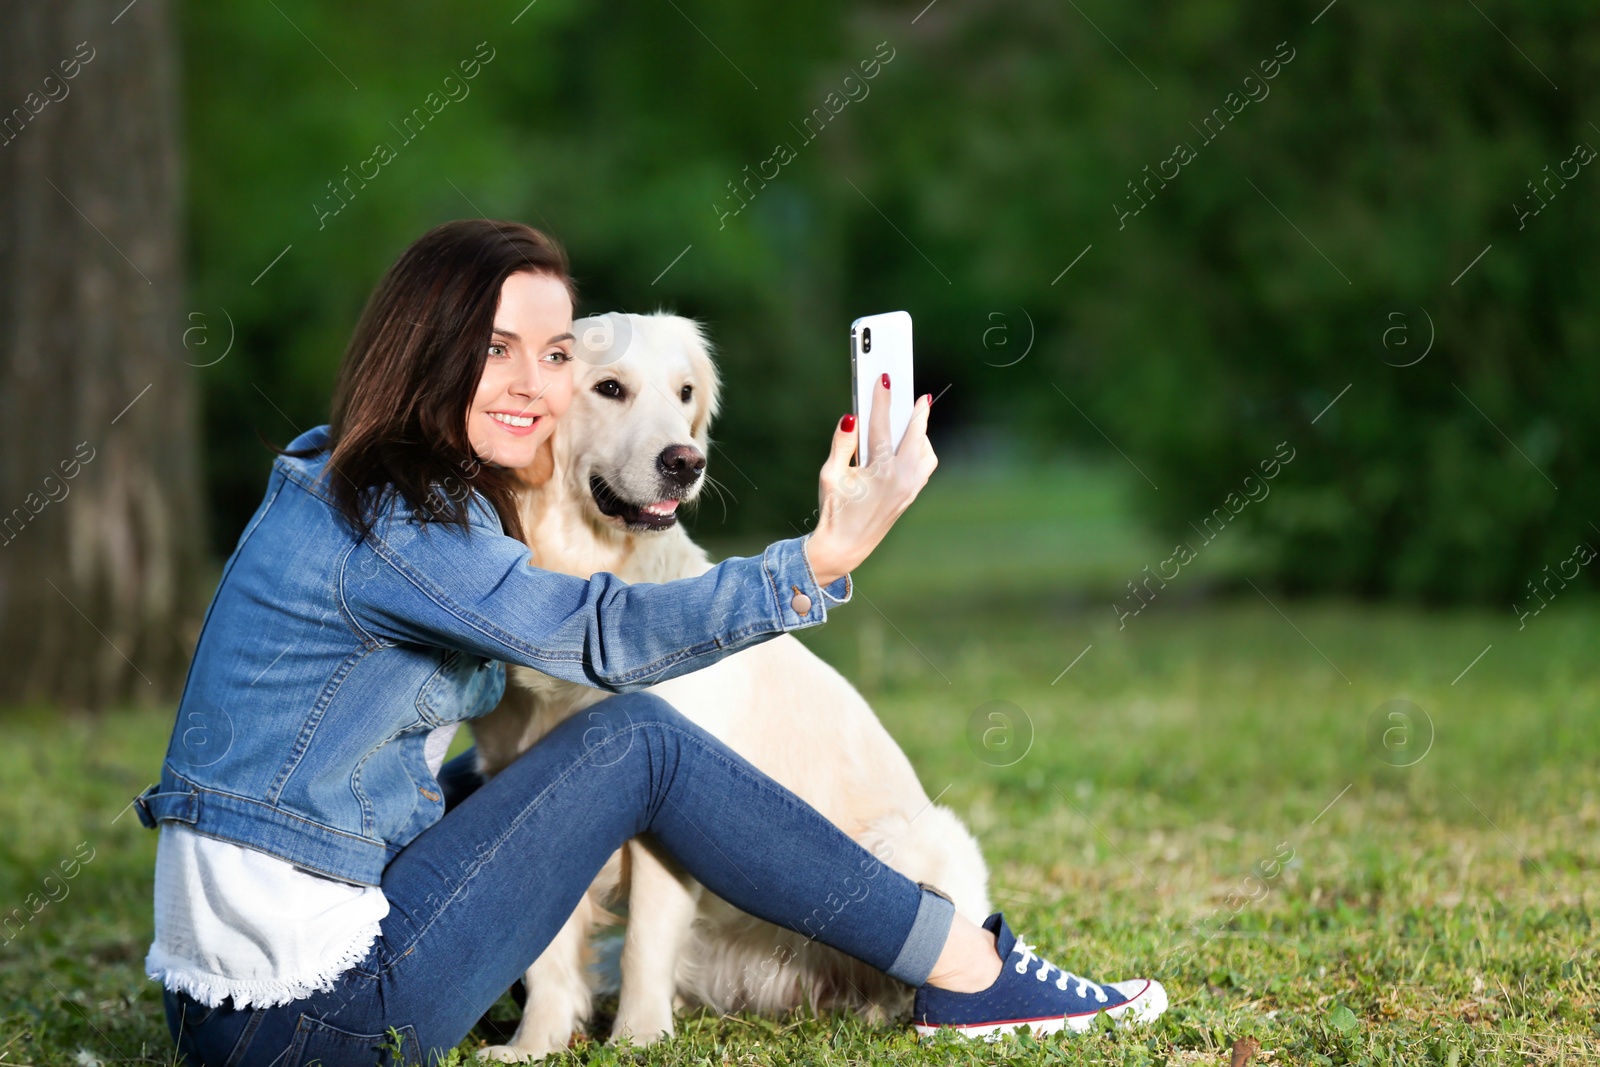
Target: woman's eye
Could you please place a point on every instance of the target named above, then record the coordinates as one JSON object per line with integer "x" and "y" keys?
{"x": 497, "y": 350}
{"x": 558, "y": 356}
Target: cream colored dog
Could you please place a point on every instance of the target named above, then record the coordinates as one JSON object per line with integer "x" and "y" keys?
{"x": 631, "y": 449}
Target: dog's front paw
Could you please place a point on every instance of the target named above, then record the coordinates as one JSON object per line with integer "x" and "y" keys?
{"x": 641, "y": 1031}
{"x": 508, "y": 1054}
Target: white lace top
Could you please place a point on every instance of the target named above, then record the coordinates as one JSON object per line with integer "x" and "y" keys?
{"x": 234, "y": 921}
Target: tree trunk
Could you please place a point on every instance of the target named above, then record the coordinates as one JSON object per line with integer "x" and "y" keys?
{"x": 101, "y": 546}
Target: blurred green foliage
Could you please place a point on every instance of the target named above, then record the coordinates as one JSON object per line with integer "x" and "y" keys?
{"x": 997, "y": 147}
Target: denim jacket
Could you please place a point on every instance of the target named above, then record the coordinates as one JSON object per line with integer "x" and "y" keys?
{"x": 324, "y": 661}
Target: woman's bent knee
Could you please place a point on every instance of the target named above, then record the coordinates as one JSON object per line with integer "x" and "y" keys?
{"x": 638, "y": 707}
{"x": 604, "y": 731}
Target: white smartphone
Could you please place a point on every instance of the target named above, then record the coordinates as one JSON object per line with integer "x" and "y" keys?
{"x": 881, "y": 344}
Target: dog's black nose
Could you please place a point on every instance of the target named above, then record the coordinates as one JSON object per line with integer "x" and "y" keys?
{"x": 681, "y": 464}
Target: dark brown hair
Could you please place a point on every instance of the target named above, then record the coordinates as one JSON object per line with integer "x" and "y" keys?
{"x": 399, "y": 420}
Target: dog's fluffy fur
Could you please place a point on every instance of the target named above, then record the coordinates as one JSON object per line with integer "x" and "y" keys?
{"x": 777, "y": 704}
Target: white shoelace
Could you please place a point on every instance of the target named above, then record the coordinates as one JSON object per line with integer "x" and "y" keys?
{"x": 1045, "y": 967}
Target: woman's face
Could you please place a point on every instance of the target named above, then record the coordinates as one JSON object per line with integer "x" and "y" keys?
{"x": 527, "y": 376}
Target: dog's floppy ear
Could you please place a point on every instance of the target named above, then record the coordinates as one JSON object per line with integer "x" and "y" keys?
{"x": 707, "y": 383}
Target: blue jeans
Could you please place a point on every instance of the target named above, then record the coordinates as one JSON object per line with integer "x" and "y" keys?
{"x": 476, "y": 897}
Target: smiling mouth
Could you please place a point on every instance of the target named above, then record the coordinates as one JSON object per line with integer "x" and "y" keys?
{"x": 658, "y": 515}
{"x": 519, "y": 425}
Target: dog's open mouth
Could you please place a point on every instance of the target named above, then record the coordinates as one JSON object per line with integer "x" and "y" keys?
{"x": 657, "y": 515}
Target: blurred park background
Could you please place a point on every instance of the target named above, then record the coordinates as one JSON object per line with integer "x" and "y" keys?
{"x": 1267, "y": 388}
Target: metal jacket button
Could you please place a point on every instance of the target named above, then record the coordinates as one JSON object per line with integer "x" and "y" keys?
{"x": 801, "y": 603}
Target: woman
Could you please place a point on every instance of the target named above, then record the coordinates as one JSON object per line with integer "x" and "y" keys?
{"x": 311, "y": 890}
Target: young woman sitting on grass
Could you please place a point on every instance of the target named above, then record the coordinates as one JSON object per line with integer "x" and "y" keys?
{"x": 312, "y": 890}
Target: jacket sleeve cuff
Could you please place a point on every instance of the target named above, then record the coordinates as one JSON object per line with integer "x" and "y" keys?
{"x": 794, "y": 586}
{"x": 840, "y": 591}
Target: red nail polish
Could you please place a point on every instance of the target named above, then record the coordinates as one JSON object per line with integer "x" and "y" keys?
{"x": 847, "y": 423}
{"x": 929, "y": 397}
{"x": 886, "y": 379}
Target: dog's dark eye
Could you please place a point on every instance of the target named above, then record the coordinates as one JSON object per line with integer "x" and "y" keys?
{"x": 609, "y": 388}
{"x": 687, "y": 392}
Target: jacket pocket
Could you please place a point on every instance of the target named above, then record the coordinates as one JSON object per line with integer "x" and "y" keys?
{"x": 463, "y": 686}
{"x": 320, "y": 1044}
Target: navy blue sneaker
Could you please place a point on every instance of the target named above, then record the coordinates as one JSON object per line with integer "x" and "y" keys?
{"x": 1035, "y": 994}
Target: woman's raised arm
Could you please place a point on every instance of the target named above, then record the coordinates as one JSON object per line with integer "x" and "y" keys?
{"x": 480, "y": 591}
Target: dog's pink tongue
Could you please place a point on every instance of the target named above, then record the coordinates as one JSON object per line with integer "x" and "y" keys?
{"x": 662, "y": 507}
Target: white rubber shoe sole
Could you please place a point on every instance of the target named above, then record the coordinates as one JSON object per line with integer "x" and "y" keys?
{"x": 1147, "y": 999}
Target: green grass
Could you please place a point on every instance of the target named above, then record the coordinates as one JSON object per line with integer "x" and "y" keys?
{"x": 1436, "y": 913}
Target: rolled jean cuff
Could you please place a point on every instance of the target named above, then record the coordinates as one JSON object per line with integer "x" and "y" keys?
{"x": 929, "y": 932}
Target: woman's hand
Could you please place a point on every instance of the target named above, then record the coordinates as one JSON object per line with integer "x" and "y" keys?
{"x": 860, "y": 503}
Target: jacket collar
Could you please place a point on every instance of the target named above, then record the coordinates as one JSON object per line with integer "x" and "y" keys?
{"x": 309, "y": 471}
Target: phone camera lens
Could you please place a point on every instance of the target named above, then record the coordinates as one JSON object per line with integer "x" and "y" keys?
{"x": 866, "y": 339}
